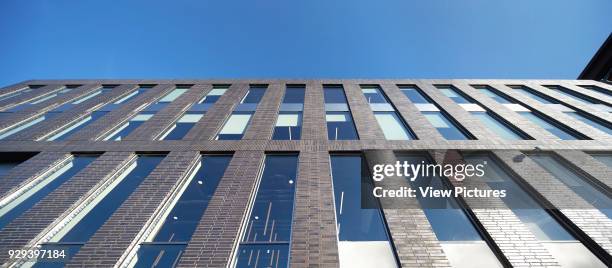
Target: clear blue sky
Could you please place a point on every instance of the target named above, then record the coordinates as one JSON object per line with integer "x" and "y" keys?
{"x": 299, "y": 39}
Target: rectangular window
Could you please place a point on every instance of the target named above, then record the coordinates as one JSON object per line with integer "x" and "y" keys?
{"x": 173, "y": 95}
{"x": 414, "y": 94}
{"x": 20, "y": 126}
{"x": 267, "y": 236}
{"x": 64, "y": 134}
{"x": 132, "y": 95}
{"x": 333, "y": 94}
{"x": 605, "y": 158}
{"x": 363, "y": 239}
{"x": 254, "y": 94}
{"x": 544, "y": 99}
{"x": 127, "y": 128}
{"x": 294, "y": 94}
{"x": 214, "y": 94}
{"x": 494, "y": 94}
{"x": 86, "y": 222}
{"x": 165, "y": 247}
{"x": 340, "y": 126}
{"x": 454, "y": 94}
{"x": 39, "y": 99}
{"x": 13, "y": 205}
{"x": 91, "y": 95}
{"x": 15, "y": 93}
{"x": 578, "y": 183}
{"x": 11, "y": 160}
{"x": 373, "y": 94}
{"x": 448, "y": 129}
{"x": 537, "y": 219}
{"x": 576, "y": 96}
{"x": 500, "y": 127}
{"x": 552, "y": 126}
{"x": 591, "y": 121}
{"x": 393, "y": 126}
{"x": 235, "y": 126}
{"x": 599, "y": 89}
{"x": 182, "y": 126}
{"x": 461, "y": 241}
{"x": 288, "y": 126}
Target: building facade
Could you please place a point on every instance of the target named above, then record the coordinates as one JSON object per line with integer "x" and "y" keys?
{"x": 267, "y": 173}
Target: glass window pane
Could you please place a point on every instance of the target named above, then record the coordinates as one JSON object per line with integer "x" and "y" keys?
{"x": 288, "y": 127}
{"x": 20, "y": 127}
{"x": 294, "y": 94}
{"x": 235, "y": 126}
{"x": 68, "y": 131}
{"x": 167, "y": 245}
{"x": 447, "y": 128}
{"x": 182, "y": 126}
{"x": 491, "y": 93}
{"x": 91, "y": 95}
{"x": 254, "y": 95}
{"x": 414, "y": 94}
{"x": 529, "y": 211}
{"x": 591, "y": 122}
{"x": 213, "y": 95}
{"x": 13, "y": 207}
{"x": 453, "y": 94}
{"x": 604, "y": 158}
{"x": 374, "y": 95}
{"x": 550, "y": 126}
{"x": 87, "y": 222}
{"x": 126, "y": 129}
{"x": 340, "y": 126}
{"x": 536, "y": 96}
{"x": 392, "y": 126}
{"x": 269, "y": 225}
{"x": 362, "y": 233}
{"x": 497, "y": 126}
{"x": 599, "y": 89}
{"x": 173, "y": 95}
{"x": 333, "y": 94}
{"x": 132, "y": 95}
{"x": 575, "y": 95}
{"x": 576, "y": 182}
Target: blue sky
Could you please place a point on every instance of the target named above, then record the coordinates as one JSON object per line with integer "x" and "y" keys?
{"x": 58, "y": 39}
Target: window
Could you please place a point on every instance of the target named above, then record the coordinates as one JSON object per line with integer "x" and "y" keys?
{"x": 294, "y": 94}
{"x": 62, "y": 135}
{"x": 127, "y": 128}
{"x": 11, "y": 160}
{"x": 363, "y": 239}
{"x": 86, "y": 222}
{"x": 447, "y": 128}
{"x": 267, "y": 235}
{"x": 578, "y": 183}
{"x": 173, "y": 95}
{"x": 182, "y": 127}
{"x": 91, "y": 95}
{"x": 392, "y": 126}
{"x": 166, "y": 245}
{"x": 19, "y": 127}
{"x": 132, "y": 95}
{"x": 15, "y": 93}
{"x": 27, "y": 196}
{"x": 254, "y": 94}
{"x": 599, "y": 89}
{"x": 541, "y": 224}
{"x": 591, "y": 121}
{"x": 288, "y": 126}
{"x": 535, "y": 95}
{"x": 605, "y": 158}
{"x": 414, "y": 94}
{"x": 214, "y": 95}
{"x": 501, "y": 128}
{"x": 454, "y": 94}
{"x": 576, "y": 96}
{"x": 38, "y": 100}
{"x": 461, "y": 241}
{"x": 373, "y": 94}
{"x": 333, "y": 94}
{"x": 340, "y": 126}
{"x": 235, "y": 126}
{"x": 551, "y": 126}
{"x": 494, "y": 94}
